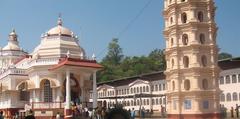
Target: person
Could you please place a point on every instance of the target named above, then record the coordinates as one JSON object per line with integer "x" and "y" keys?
{"x": 58, "y": 116}
{"x": 133, "y": 114}
{"x": 30, "y": 115}
{"x": 16, "y": 116}
{"x": 1, "y": 115}
{"x": 143, "y": 113}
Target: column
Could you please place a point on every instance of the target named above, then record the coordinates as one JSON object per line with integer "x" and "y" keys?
{"x": 68, "y": 113}
{"x": 94, "y": 90}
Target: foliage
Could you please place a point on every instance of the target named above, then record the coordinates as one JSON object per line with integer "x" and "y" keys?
{"x": 116, "y": 65}
{"x": 224, "y": 55}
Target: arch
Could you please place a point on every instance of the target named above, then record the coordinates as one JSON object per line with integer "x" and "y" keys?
{"x": 221, "y": 80}
{"x": 185, "y": 61}
{"x": 172, "y": 63}
{"x": 138, "y": 103}
{"x": 47, "y": 90}
{"x": 153, "y": 102}
{"x": 172, "y": 41}
{"x": 23, "y": 91}
{"x": 229, "y": 97}
{"x": 173, "y": 85}
{"x": 140, "y": 89}
{"x": 157, "y": 101}
{"x": 144, "y": 102}
{"x": 156, "y": 87}
{"x": 185, "y": 39}
{"x": 182, "y": 0}
{"x": 184, "y": 17}
{"x": 200, "y": 16}
{"x": 235, "y": 96}
{"x": 187, "y": 84}
{"x": 222, "y": 97}
{"x": 144, "y": 88}
{"x": 204, "y": 61}
{"x": 234, "y": 78}
{"x": 202, "y": 38}
{"x": 160, "y": 101}
{"x": 171, "y": 20}
{"x": 205, "y": 84}
{"x": 147, "y": 89}
{"x": 228, "y": 79}
{"x": 147, "y": 101}
{"x": 137, "y": 89}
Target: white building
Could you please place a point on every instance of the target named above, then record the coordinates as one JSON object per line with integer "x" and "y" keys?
{"x": 147, "y": 90}
{"x": 48, "y": 79}
{"x": 229, "y": 82}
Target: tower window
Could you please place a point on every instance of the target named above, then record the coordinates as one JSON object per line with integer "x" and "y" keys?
{"x": 205, "y": 84}
{"x": 202, "y": 38}
{"x": 184, "y": 17}
{"x": 185, "y": 39}
{"x": 185, "y": 61}
{"x": 200, "y": 16}
{"x": 172, "y": 63}
{"x": 173, "y": 85}
{"x": 186, "y": 84}
{"x": 204, "y": 61}
{"x": 172, "y": 41}
{"x": 171, "y": 20}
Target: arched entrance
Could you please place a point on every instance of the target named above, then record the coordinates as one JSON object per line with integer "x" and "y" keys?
{"x": 75, "y": 89}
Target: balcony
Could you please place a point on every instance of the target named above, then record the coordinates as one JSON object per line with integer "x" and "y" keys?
{"x": 47, "y": 105}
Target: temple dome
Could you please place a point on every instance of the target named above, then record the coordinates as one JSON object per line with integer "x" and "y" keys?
{"x": 60, "y": 30}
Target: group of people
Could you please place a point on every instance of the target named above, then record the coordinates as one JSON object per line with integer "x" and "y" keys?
{"x": 141, "y": 113}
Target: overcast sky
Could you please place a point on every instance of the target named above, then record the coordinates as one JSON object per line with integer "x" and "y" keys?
{"x": 96, "y": 22}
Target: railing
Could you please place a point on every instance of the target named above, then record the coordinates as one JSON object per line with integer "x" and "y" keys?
{"x": 47, "y": 61}
{"x": 12, "y": 71}
{"x": 47, "y": 105}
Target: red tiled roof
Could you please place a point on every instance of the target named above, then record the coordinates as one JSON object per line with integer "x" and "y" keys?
{"x": 22, "y": 58}
{"x": 76, "y": 62}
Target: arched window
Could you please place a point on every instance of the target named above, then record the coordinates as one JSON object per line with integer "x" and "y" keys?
{"x": 221, "y": 80}
{"x": 153, "y": 102}
{"x": 200, "y": 16}
{"x": 235, "y": 96}
{"x": 147, "y": 89}
{"x": 173, "y": 85}
{"x": 134, "y": 90}
{"x": 144, "y": 88}
{"x": 222, "y": 97}
{"x": 147, "y": 101}
{"x": 238, "y": 78}
{"x": 131, "y": 102}
{"x": 228, "y": 79}
{"x": 184, "y": 17}
{"x": 185, "y": 39}
{"x": 204, "y": 61}
{"x": 185, "y": 61}
{"x": 172, "y": 41}
{"x": 171, "y": 20}
{"x": 172, "y": 63}
{"x": 186, "y": 84}
{"x": 234, "y": 78}
{"x": 160, "y": 101}
{"x": 205, "y": 84}
{"x": 47, "y": 91}
{"x": 131, "y": 90}
{"x": 202, "y": 38}
{"x": 140, "y": 89}
{"x": 157, "y": 101}
{"x": 23, "y": 92}
{"x": 137, "y": 89}
{"x": 160, "y": 87}
{"x": 229, "y": 97}
{"x": 144, "y": 102}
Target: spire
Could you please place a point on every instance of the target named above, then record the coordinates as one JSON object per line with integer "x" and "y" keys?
{"x": 13, "y": 35}
{"x": 93, "y": 57}
{"x": 59, "y": 20}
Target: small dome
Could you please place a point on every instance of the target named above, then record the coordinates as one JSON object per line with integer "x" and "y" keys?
{"x": 60, "y": 30}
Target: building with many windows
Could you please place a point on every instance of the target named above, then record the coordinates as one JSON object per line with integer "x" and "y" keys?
{"x": 229, "y": 82}
{"x": 146, "y": 90}
{"x": 56, "y": 73}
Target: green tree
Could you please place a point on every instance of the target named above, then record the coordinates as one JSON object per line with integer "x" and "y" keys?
{"x": 158, "y": 57}
{"x": 224, "y": 55}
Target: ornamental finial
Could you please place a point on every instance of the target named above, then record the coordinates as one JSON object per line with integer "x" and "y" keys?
{"x": 59, "y": 20}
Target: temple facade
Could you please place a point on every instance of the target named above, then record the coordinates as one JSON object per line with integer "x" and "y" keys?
{"x": 56, "y": 74}
{"x": 191, "y": 55}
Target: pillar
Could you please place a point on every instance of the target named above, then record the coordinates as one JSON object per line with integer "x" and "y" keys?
{"x": 67, "y": 109}
{"x": 94, "y": 91}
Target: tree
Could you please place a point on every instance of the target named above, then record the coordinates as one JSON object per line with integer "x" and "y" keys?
{"x": 158, "y": 57}
{"x": 114, "y": 55}
{"x": 224, "y": 55}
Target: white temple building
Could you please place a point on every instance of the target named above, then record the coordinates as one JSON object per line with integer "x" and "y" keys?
{"x": 48, "y": 79}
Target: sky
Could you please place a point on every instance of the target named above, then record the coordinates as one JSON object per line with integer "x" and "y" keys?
{"x": 96, "y": 22}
